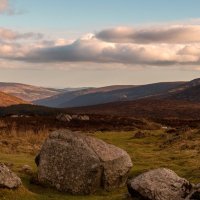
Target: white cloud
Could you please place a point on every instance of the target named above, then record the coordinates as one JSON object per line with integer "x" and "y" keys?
{"x": 171, "y": 34}
{"x": 7, "y": 34}
{"x": 97, "y": 51}
{"x": 172, "y": 46}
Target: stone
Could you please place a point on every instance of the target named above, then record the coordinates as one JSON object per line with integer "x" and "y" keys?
{"x": 81, "y": 117}
{"x": 80, "y": 164}
{"x": 27, "y": 169}
{"x": 64, "y": 117}
{"x": 8, "y": 179}
{"x": 195, "y": 193}
{"x": 159, "y": 184}
{"x": 84, "y": 118}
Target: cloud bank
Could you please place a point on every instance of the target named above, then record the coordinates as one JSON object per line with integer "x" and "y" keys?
{"x": 159, "y": 46}
{"x": 173, "y": 35}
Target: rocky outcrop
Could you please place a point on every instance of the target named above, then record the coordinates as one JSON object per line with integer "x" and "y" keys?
{"x": 81, "y": 117}
{"x": 7, "y": 178}
{"x": 67, "y": 118}
{"x": 80, "y": 164}
{"x": 159, "y": 184}
{"x": 64, "y": 117}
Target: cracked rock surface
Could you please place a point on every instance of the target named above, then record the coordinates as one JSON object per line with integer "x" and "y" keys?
{"x": 80, "y": 164}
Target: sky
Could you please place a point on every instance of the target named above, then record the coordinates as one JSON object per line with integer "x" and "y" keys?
{"x": 76, "y": 43}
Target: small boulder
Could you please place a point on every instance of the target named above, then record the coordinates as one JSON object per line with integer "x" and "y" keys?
{"x": 79, "y": 164}
{"x": 64, "y": 117}
{"x": 84, "y": 118}
{"x": 27, "y": 169}
{"x": 7, "y": 178}
{"x": 159, "y": 184}
{"x": 81, "y": 117}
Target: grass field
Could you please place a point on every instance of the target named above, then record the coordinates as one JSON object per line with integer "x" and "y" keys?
{"x": 177, "y": 151}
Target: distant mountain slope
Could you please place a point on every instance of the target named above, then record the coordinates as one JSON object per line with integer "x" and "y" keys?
{"x": 108, "y": 94}
{"x": 180, "y": 102}
{"x": 7, "y": 100}
{"x": 189, "y": 91}
{"x": 145, "y": 108}
{"x": 77, "y": 97}
{"x": 27, "y": 92}
{"x": 189, "y": 94}
{"x": 127, "y": 94}
{"x": 61, "y": 100}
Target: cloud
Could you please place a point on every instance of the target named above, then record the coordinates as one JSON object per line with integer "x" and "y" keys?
{"x": 3, "y": 5}
{"x": 6, "y": 8}
{"x": 7, "y": 34}
{"x": 97, "y": 51}
{"x": 172, "y": 34}
{"x": 176, "y": 46}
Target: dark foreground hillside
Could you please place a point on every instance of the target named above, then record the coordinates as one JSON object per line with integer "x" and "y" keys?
{"x": 158, "y": 110}
{"x": 116, "y": 115}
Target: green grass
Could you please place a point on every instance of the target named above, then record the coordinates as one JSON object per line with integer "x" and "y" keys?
{"x": 146, "y": 154}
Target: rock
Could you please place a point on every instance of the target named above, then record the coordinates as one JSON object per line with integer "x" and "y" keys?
{"x": 79, "y": 164}
{"x": 159, "y": 184}
{"x": 37, "y": 160}
{"x": 81, "y": 117}
{"x": 27, "y": 169}
{"x": 84, "y": 118}
{"x": 9, "y": 164}
{"x": 64, "y": 117}
{"x": 67, "y": 118}
{"x": 7, "y": 178}
{"x": 195, "y": 193}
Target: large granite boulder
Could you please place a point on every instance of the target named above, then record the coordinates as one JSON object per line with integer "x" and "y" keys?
{"x": 159, "y": 184}
{"x": 80, "y": 164}
{"x": 7, "y": 178}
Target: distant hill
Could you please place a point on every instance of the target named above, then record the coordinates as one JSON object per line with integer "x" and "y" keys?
{"x": 69, "y": 98}
{"x": 189, "y": 94}
{"x": 108, "y": 94}
{"x": 79, "y": 97}
{"x": 7, "y": 100}
{"x": 189, "y": 91}
{"x": 31, "y": 93}
{"x": 176, "y": 103}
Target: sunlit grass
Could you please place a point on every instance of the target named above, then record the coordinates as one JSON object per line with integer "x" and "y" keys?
{"x": 146, "y": 153}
